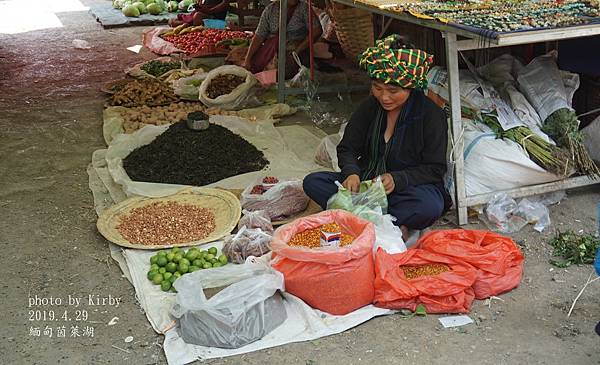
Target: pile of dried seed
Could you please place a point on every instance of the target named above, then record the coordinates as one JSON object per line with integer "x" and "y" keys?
{"x": 311, "y": 238}
{"x": 223, "y": 85}
{"x": 167, "y": 223}
{"x": 413, "y": 272}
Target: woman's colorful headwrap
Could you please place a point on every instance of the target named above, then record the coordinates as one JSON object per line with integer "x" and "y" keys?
{"x": 405, "y": 67}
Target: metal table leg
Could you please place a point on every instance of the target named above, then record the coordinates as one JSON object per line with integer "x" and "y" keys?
{"x": 456, "y": 122}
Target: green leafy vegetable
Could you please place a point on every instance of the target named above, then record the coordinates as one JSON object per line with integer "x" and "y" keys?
{"x": 572, "y": 248}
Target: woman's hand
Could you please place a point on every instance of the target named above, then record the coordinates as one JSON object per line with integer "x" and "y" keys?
{"x": 388, "y": 183}
{"x": 352, "y": 183}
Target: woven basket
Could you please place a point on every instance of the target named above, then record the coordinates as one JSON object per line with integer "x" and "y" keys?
{"x": 224, "y": 205}
{"x": 354, "y": 28}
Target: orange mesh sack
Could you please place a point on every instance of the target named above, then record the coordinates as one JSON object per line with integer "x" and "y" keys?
{"x": 446, "y": 292}
{"x": 497, "y": 258}
{"x": 333, "y": 280}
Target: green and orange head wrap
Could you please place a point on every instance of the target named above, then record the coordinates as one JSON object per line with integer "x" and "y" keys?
{"x": 393, "y": 64}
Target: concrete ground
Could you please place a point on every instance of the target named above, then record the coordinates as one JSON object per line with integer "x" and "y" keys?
{"x": 50, "y": 123}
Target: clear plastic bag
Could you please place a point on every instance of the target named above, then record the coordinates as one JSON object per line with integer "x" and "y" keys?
{"x": 256, "y": 219}
{"x": 188, "y": 87}
{"x": 535, "y": 213}
{"x": 388, "y": 236}
{"x": 326, "y": 153}
{"x": 281, "y": 201}
{"x": 247, "y": 242}
{"x": 245, "y": 311}
{"x": 369, "y": 203}
{"x": 499, "y": 213}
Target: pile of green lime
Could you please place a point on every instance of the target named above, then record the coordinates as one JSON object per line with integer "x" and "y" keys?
{"x": 168, "y": 265}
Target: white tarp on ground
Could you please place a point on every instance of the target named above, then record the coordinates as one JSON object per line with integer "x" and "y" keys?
{"x": 303, "y": 322}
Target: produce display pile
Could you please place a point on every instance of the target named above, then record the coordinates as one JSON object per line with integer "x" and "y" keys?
{"x": 169, "y": 265}
{"x": 223, "y": 85}
{"x": 143, "y": 92}
{"x": 198, "y": 158}
{"x": 157, "y": 68}
{"x": 203, "y": 40}
{"x": 311, "y": 237}
{"x": 503, "y": 16}
{"x": 138, "y": 117}
{"x": 167, "y": 223}
{"x": 413, "y": 272}
{"x": 155, "y": 7}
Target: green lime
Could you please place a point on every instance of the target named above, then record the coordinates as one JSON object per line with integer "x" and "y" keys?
{"x": 207, "y": 265}
{"x": 165, "y": 285}
{"x": 177, "y": 274}
{"x": 184, "y": 261}
{"x": 168, "y": 251}
{"x": 162, "y": 270}
{"x": 203, "y": 253}
{"x": 173, "y": 278}
{"x": 170, "y": 256}
{"x": 173, "y": 289}
{"x": 214, "y": 261}
{"x": 178, "y": 256}
{"x": 183, "y": 268}
{"x": 151, "y": 274}
{"x": 162, "y": 253}
{"x": 176, "y": 249}
{"x": 222, "y": 259}
{"x": 217, "y": 264}
{"x": 154, "y": 267}
{"x": 171, "y": 267}
{"x": 162, "y": 261}
{"x": 153, "y": 259}
{"x": 198, "y": 262}
{"x": 195, "y": 249}
{"x": 193, "y": 268}
{"x": 191, "y": 255}
{"x": 209, "y": 257}
{"x": 157, "y": 279}
{"x": 212, "y": 250}
{"x": 167, "y": 275}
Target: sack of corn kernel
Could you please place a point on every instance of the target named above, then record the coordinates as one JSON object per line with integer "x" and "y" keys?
{"x": 441, "y": 283}
{"x": 280, "y": 199}
{"x": 497, "y": 258}
{"x": 229, "y": 87}
{"x": 334, "y": 280}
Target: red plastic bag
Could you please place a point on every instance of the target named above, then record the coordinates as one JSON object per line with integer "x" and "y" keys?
{"x": 497, "y": 258}
{"x": 448, "y": 292}
{"x": 337, "y": 281}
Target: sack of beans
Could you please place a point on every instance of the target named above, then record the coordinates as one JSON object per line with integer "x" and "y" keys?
{"x": 229, "y": 87}
{"x": 280, "y": 199}
{"x": 336, "y": 278}
{"x": 441, "y": 283}
{"x": 497, "y": 258}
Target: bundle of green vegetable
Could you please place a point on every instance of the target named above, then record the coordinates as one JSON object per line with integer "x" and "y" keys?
{"x": 573, "y": 248}
{"x": 563, "y": 127}
{"x": 546, "y": 155}
{"x": 157, "y": 68}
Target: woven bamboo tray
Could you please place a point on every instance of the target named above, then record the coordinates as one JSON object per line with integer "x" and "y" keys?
{"x": 225, "y": 206}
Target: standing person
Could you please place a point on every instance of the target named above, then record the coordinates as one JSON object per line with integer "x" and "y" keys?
{"x": 209, "y": 9}
{"x": 264, "y": 44}
{"x": 397, "y": 134}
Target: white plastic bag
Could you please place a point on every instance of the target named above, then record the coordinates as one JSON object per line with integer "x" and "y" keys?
{"x": 244, "y": 312}
{"x": 541, "y": 82}
{"x": 326, "y": 153}
{"x": 241, "y": 97}
{"x": 591, "y": 134}
{"x": 256, "y": 219}
{"x": 301, "y": 77}
{"x": 187, "y": 88}
{"x": 388, "y": 236}
{"x": 281, "y": 201}
{"x": 245, "y": 243}
{"x": 534, "y": 213}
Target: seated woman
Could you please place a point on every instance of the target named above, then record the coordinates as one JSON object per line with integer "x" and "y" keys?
{"x": 264, "y": 44}
{"x": 398, "y": 134}
{"x": 209, "y": 9}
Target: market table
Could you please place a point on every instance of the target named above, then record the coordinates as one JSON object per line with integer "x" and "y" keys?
{"x": 474, "y": 38}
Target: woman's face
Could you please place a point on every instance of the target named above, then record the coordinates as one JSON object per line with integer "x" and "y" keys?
{"x": 390, "y": 97}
